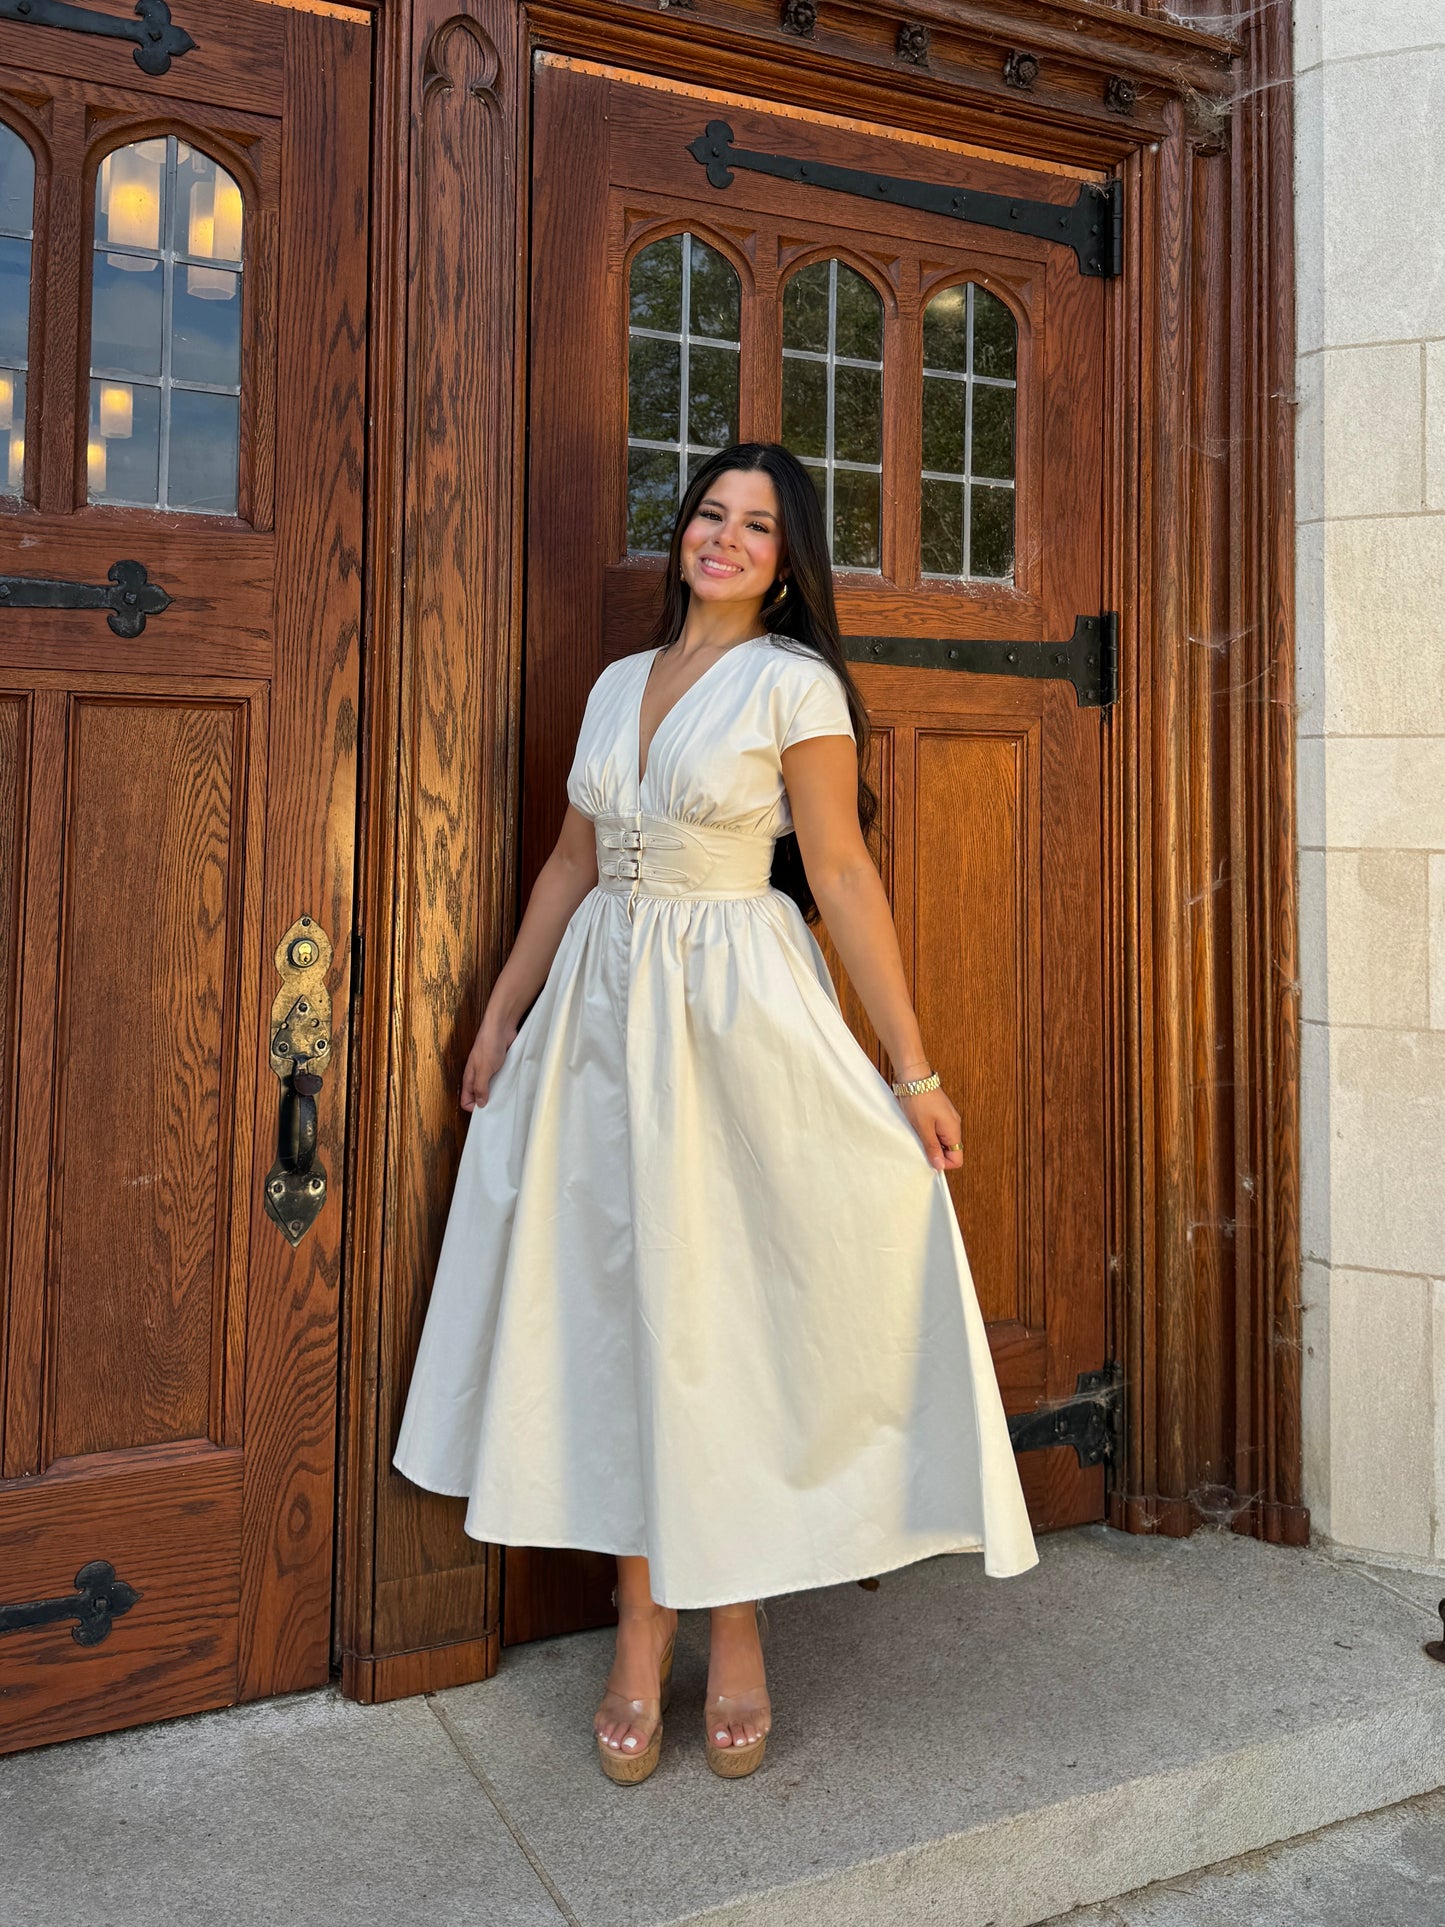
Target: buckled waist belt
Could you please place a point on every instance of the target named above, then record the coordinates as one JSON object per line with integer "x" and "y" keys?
{"x": 656, "y": 856}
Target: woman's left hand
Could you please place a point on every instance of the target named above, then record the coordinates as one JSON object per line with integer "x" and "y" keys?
{"x": 938, "y": 1126}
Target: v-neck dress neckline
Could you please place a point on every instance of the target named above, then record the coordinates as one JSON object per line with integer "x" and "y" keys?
{"x": 639, "y": 775}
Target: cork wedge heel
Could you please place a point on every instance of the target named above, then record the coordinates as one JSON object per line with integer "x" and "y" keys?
{"x": 631, "y": 1769}
{"x": 752, "y": 1707}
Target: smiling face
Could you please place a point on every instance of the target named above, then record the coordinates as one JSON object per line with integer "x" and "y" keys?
{"x": 730, "y": 549}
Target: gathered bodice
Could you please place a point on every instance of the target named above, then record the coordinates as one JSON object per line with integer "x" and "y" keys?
{"x": 714, "y": 763}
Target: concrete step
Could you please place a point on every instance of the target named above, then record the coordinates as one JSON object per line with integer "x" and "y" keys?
{"x": 948, "y": 1748}
{"x": 1382, "y": 1869}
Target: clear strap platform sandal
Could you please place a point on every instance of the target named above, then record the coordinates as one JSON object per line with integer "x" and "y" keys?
{"x": 631, "y": 1768}
{"x": 730, "y": 1760}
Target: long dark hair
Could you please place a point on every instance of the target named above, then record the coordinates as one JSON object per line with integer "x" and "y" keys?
{"x": 806, "y": 616}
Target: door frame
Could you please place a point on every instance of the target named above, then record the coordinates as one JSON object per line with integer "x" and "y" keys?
{"x": 1200, "y": 946}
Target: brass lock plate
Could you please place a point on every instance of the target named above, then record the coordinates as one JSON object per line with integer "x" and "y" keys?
{"x": 301, "y": 1010}
{"x": 300, "y": 1055}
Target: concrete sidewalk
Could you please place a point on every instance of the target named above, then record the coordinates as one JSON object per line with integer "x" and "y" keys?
{"x": 948, "y": 1748}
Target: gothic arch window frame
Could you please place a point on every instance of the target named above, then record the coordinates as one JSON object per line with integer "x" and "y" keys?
{"x": 870, "y": 272}
{"x": 14, "y": 496}
{"x": 970, "y": 278}
{"x": 1021, "y": 285}
{"x": 652, "y": 234}
{"x": 254, "y": 492}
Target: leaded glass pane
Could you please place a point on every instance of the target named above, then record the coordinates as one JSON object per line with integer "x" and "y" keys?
{"x": 124, "y": 450}
{"x": 17, "y": 183}
{"x": 860, "y": 318}
{"x": 805, "y": 409}
{"x": 945, "y": 331}
{"x": 995, "y": 337}
{"x": 14, "y": 299}
{"x": 833, "y": 402}
{"x": 970, "y": 424}
{"x": 127, "y": 310}
{"x": 856, "y": 507}
{"x": 942, "y": 527}
{"x": 206, "y": 210}
{"x": 991, "y": 532}
{"x": 165, "y": 330}
{"x": 17, "y": 203}
{"x": 204, "y": 432}
{"x": 805, "y": 309}
{"x": 206, "y": 329}
{"x": 858, "y": 414}
{"x": 654, "y": 388}
{"x": 656, "y": 287}
{"x": 12, "y": 430}
{"x": 652, "y": 499}
{"x": 993, "y": 433}
{"x": 716, "y": 293}
{"x": 712, "y": 396}
{"x": 684, "y": 308}
{"x": 945, "y": 426}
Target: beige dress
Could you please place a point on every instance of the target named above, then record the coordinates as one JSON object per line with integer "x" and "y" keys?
{"x": 701, "y": 1294}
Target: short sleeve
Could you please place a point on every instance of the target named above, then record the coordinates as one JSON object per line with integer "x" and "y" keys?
{"x": 821, "y": 710}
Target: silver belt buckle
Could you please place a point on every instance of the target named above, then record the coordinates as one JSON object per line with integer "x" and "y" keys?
{"x": 628, "y": 866}
{"x": 631, "y": 839}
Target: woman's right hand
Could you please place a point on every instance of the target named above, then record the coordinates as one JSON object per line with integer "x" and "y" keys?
{"x": 484, "y": 1061}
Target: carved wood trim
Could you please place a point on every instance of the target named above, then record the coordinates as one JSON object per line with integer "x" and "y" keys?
{"x": 444, "y": 760}
{"x": 1208, "y": 1198}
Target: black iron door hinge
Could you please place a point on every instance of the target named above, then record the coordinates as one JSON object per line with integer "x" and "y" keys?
{"x": 99, "y": 1600}
{"x": 1093, "y": 226}
{"x": 1088, "y": 1420}
{"x": 129, "y": 594}
{"x": 157, "y": 41}
{"x": 1089, "y": 659}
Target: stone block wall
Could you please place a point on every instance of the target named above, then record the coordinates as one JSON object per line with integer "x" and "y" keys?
{"x": 1370, "y": 246}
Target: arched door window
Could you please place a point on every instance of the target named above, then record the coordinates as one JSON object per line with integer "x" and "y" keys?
{"x": 17, "y": 215}
{"x": 970, "y": 396}
{"x": 165, "y": 341}
{"x": 682, "y": 377}
{"x": 833, "y": 401}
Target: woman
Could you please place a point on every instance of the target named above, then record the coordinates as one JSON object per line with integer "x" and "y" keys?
{"x": 702, "y": 1300}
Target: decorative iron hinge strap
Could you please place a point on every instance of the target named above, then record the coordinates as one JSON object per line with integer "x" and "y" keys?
{"x": 1089, "y": 659}
{"x": 101, "y": 1598}
{"x": 130, "y": 597}
{"x": 156, "y": 39}
{"x": 1093, "y": 226}
{"x": 1088, "y": 1421}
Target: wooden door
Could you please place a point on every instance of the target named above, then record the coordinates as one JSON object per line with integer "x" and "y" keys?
{"x": 183, "y": 221}
{"x": 705, "y": 270}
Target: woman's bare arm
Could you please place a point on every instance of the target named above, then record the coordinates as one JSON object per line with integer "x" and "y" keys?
{"x": 562, "y": 882}
{"x": 821, "y": 774}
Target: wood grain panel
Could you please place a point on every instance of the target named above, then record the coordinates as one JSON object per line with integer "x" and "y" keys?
{"x": 34, "y": 1083}
{"x": 169, "y": 1522}
{"x": 141, "y": 1139}
{"x": 977, "y": 972}
{"x": 14, "y": 783}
